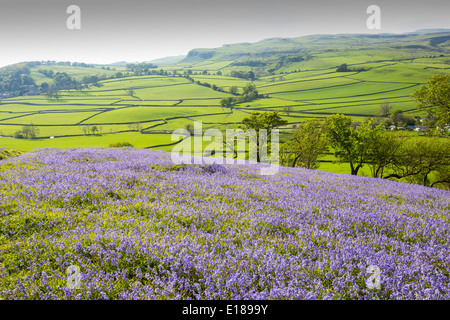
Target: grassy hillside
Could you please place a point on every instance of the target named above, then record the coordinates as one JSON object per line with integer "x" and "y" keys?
{"x": 279, "y": 55}
{"x": 139, "y": 227}
{"x": 382, "y": 68}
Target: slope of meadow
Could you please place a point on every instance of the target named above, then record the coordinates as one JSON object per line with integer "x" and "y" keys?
{"x": 296, "y": 72}
{"x": 139, "y": 227}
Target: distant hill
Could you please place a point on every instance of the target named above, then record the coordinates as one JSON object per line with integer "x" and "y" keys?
{"x": 119, "y": 64}
{"x": 278, "y": 54}
{"x": 423, "y": 31}
{"x": 168, "y": 60}
{"x": 267, "y": 57}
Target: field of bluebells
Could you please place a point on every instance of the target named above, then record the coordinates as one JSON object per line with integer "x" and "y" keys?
{"x": 140, "y": 227}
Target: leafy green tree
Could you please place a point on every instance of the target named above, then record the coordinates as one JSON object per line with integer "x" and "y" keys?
{"x": 94, "y": 130}
{"x": 63, "y": 80}
{"x": 249, "y": 88}
{"x": 399, "y": 119}
{"x": 351, "y": 144}
{"x": 419, "y": 157}
{"x": 53, "y": 92}
{"x": 86, "y": 129}
{"x": 130, "y": 92}
{"x": 384, "y": 149}
{"x": 227, "y": 102}
{"x": 30, "y": 132}
{"x": 287, "y": 110}
{"x": 233, "y": 90}
{"x": 435, "y": 98}
{"x": 342, "y": 68}
{"x": 442, "y": 179}
{"x": 258, "y": 121}
{"x": 190, "y": 128}
{"x": 385, "y": 109}
{"x": 308, "y": 143}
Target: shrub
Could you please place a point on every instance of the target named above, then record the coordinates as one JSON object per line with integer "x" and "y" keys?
{"x": 214, "y": 168}
{"x": 121, "y": 145}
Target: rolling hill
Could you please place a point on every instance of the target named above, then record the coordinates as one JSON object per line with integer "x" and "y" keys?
{"x": 295, "y": 73}
{"x": 139, "y": 227}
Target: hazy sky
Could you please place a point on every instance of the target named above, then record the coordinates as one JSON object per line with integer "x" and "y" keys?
{"x": 138, "y": 30}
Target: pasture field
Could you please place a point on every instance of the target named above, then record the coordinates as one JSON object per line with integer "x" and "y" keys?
{"x": 160, "y": 104}
{"x": 77, "y": 72}
{"x": 137, "y": 139}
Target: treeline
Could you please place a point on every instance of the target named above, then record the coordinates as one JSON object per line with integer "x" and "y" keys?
{"x": 32, "y": 64}
{"x": 250, "y": 93}
{"x": 403, "y": 156}
{"x": 63, "y": 81}
{"x": 27, "y": 132}
{"x": 16, "y": 79}
{"x": 249, "y": 63}
{"x": 143, "y": 68}
{"x": 284, "y": 60}
{"x": 345, "y": 68}
{"x": 248, "y": 75}
{"x": 140, "y": 66}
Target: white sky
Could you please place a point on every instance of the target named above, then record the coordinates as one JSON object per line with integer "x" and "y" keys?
{"x": 139, "y": 30}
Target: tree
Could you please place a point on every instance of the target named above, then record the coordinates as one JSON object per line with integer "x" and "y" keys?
{"x": 130, "y": 92}
{"x": 44, "y": 87}
{"x": 400, "y": 119}
{"x": 350, "y": 144}
{"x": 190, "y": 128}
{"x": 30, "y": 132}
{"x": 137, "y": 126}
{"x": 94, "y": 129}
{"x": 385, "y": 109}
{"x": 342, "y": 68}
{"x": 233, "y": 90}
{"x": 442, "y": 177}
{"x": 18, "y": 134}
{"x": 53, "y": 92}
{"x": 227, "y": 102}
{"x": 267, "y": 121}
{"x": 86, "y": 129}
{"x": 384, "y": 150}
{"x": 63, "y": 81}
{"x": 419, "y": 157}
{"x": 435, "y": 98}
{"x": 308, "y": 143}
{"x": 287, "y": 110}
{"x": 249, "y": 88}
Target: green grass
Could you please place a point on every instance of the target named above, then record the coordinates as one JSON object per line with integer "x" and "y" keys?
{"x": 300, "y": 86}
{"x": 137, "y": 139}
{"x": 76, "y": 72}
{"x": 165, "y": 103}
{"x": 137, "y": 114}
